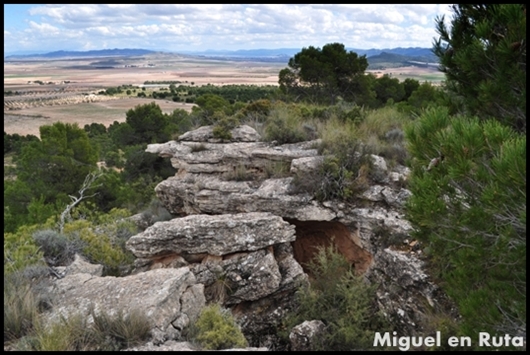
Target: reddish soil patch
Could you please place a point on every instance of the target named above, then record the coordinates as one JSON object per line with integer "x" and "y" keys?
{"x": 311, "y": 235}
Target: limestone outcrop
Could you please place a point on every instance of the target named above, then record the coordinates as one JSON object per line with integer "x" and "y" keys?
{"x": 242, "y": 235}
{"x": 214, "y": 235}
{"x": 171, "y": 298}
{"x": 219, "y": 178}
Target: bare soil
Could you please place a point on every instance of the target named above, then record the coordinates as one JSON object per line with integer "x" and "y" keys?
{"x": 67, "y": 82}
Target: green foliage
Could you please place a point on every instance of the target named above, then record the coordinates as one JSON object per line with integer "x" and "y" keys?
{"x": 14, "y": 142}
{"x": 20, "y": 250}
{"x": 344, "y": 170}
{"x": 387, "y": 88}
{"x": 216, "y": 329}
{"x": 179, "y": 122}
{"x": 470, "y": 211}
{"x": 285, "y": 125}
{"x": 342, "y": 300}
{"x": 103, "y": 240}
{"x": 258, "y": 110}
{"x": 223, "y": 126}
{"x": 58, "y": 163}
{"x": 141, "y": 163}
{"x": 483, "y": 55}
{"x": 210, "y": 103}
{"x": 321, "y": 75}
{"x": 148, "y": 123}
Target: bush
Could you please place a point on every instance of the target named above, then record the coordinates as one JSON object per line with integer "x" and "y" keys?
{"x": 223, "y": 126}
{"x": 342, "y": 300}
{"x": 20, "y": 250}
{"x": 57, "y": 249}
{"x": 344, "y": 170}
{"x": 470, "y": 211}
{"x": 216, "y": 329}
{"x": 285, "y": 126}
{"x": 103, "y": 241}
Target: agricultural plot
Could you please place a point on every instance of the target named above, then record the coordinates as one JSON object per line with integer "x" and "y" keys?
{"x": 66, "y": 90}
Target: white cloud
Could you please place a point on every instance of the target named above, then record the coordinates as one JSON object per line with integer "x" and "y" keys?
{"x": 229, "y": 26}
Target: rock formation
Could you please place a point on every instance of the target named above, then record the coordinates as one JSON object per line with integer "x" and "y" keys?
{"x": 220, "y": 178}
{"x": 242, "y": 236}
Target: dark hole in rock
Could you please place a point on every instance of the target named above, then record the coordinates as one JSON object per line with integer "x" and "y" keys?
{"x": 310, "y": 235}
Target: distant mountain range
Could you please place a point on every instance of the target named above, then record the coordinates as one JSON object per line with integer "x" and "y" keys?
{"x": 375, "y": 56}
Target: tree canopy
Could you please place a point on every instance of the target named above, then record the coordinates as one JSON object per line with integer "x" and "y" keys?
{"x": 470, "y": 207}
{"x": 483, "y": 54}
{"x": 321, "y": 75}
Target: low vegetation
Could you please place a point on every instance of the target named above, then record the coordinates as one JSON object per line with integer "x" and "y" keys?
{"x": 344, "y": 301}
{"x": 216, "y": 329}
{"x": 469, "y": 210}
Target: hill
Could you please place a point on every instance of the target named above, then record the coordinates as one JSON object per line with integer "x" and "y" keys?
{"x": 377, "y": 58}
{"x": 84, "y": 54}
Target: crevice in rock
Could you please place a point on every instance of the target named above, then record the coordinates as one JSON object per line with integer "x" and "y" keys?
{"x": 310, "y": 235}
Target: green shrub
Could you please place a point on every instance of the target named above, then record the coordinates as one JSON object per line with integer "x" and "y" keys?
{"x": 223, "y": 127}
{"x": 216, "y": 329}
{"x": 103, "y": 240}
{"x": 285, "y": 125}
{"x": 470, "y": 211}
{"x": 344, "y": 170}
{"x": 342, "y": 300}
{"x": 20, "y": 250}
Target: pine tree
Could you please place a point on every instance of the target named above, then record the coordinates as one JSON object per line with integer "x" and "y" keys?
{"x": 470, "y": 212}
{"x": 483, "y": 55}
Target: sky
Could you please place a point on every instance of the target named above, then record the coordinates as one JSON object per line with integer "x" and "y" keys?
{"x": 42, "y": 28}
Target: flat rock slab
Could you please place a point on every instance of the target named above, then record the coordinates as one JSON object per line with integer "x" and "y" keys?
{"x": 212, "y": 234}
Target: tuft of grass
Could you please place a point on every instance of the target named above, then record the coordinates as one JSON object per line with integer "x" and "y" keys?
{"x": 239, "y": 173}
{"x": 121, "y": 330}
{"x": 68, "y": 334}
{"x": 277, "y": 169}
{"x": 285, "y": 125}
{"x": 20, "y": 308}
{"x": 75, "y": 333}
{"x": 198, "y": 148}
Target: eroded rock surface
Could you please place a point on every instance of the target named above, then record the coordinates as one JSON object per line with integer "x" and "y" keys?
{"x": 213, "y": 235}
{"x": 242, "y": 237}
{"x": 304, "y": 336}
{"x": 163, "y": 295}
{"x": 368, "y": 232}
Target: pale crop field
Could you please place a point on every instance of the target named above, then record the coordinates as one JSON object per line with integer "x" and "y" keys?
{"x": 78, "y": 77}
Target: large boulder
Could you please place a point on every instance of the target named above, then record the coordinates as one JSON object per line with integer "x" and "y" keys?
{"x": 213, "y": 235}
{"x": 170, "y": 298}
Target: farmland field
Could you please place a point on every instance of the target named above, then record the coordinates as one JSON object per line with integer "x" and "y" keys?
{"x": 60, "y": 90}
